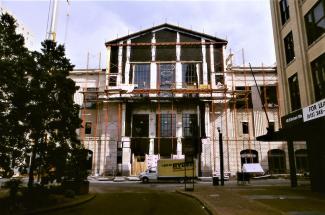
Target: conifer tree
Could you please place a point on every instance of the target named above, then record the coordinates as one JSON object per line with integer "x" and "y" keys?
{"x": 15, "y": 63}
{"x": 37, "y": 113}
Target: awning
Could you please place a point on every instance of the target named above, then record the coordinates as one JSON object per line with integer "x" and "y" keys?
{"x": 252, "y": 168}
{"x": 284, "y": 134}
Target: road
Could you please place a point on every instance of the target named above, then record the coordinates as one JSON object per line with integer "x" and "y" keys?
{"x": 137, "y": 199}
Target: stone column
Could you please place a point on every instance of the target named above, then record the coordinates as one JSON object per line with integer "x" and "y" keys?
{"x": 152, "y": 132}
{"x": 179, "y": 133}
{"x": 213, "y": 74}
{"x": 153, "y": 66}
{"x": 127, "y": 63}
{"x": 108, "y": 64}
{"x": 126, "y": 156}
{"x": 204, "y": 63}
{"x": 120, "y": 57}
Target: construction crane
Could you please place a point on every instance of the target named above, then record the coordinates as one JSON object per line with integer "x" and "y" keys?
{"x": 53, "y": 10}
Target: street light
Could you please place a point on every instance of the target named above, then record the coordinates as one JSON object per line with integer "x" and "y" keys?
{"x": 221, "y": 157}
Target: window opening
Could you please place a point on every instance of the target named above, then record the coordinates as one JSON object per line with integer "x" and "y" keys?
{"x": 284, "y": 10}
{"x": 318, "y": 72}
{"x": 190, "y": 125}
{"x": 142, "y": 76}
{"x": 294, "y": 92}
{"x": 88, "y": 128}
{"x": 289, "y": 48}
{"x": 189, "y": 74}
{"x": 315, "y": 22}
{"x": 245, "y": 127}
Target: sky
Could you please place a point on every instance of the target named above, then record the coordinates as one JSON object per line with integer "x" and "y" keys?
{"x": 84, "y": 26}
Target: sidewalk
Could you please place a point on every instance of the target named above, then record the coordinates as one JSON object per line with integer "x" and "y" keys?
{"x": 258, "y": 199}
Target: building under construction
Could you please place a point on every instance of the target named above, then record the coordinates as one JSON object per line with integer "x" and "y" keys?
{"x": 168, "y": 91}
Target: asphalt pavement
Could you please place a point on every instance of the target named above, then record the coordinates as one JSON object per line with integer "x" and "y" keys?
{"x": 137, "y": 199}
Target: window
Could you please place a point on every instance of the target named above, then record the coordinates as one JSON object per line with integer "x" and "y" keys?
{"x": 112, "y": 81}
{"x": 189, "y": 125}
{"x": 248, "y": 156}
{"x": 167, "y": 75}
{"x": 189, "y": 75}
{"x": 284, "y": 10}
{"x": 289, "y": 48}
{"x": 142, "y": 75}
{"x": 294, "y": 92}
{"x": 140, "y": 125}
{"x": 167, "y": 124}
{"x": 91, "y": 94}
{"x": 219, "y": 79}
{"x": 245, "y": 127}
{"x": 88, "y": 128}
{"x": 219, "y": 75}
{"x": 315, "y": 22}
{"x": 90, "y": 98}
{"x": 302, "y": 164}
{"x": 318, "y": 71}
{"x": 243, "y": 97}
{"x": 277, "y": 161}
{"x": 269, "y": 96}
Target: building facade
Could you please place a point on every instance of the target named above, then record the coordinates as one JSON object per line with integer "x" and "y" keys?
{"x": 299, "y": 28}
{"x": 166, "y": 93}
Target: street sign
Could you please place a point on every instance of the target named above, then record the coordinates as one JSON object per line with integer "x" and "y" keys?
{"x": 314, "y": 111}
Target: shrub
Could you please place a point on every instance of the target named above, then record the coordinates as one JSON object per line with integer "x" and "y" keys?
{"x": 14, "y": 185}
{"x": 69, "y": 193}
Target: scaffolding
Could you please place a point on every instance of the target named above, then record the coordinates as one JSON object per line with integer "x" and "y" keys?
{"x": 221, "y": 98}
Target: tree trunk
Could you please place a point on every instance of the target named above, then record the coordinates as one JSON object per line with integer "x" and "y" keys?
{"x": 32, "y": 166}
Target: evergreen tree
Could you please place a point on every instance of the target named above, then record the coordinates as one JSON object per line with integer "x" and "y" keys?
{"x": 37, "y": 111}
{"x": 54, "y": 115}
{"x": 15, "y": 63}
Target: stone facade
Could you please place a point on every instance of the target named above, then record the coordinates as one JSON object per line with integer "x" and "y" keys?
{"x": 164, "y": 94}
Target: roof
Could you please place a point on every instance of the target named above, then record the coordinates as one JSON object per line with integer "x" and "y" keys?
{"x": 167, "y": 26}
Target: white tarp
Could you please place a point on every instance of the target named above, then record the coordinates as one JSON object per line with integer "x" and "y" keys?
{"x": 253, "y": 168}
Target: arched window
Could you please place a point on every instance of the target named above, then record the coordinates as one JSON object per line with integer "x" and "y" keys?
{"x": 248, "y": 156}
{"x": 277, "y": 161}
{"x": 302, "y": 164}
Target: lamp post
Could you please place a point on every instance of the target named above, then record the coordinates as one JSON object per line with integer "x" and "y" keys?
{"x": 221, "y": 157}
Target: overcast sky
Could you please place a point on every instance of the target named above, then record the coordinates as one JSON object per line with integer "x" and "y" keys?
{"x": 246, "y": 24}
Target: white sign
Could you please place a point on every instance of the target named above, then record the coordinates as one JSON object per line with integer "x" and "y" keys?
{"x": 314, "y": 111}
{"x": 252, "y": 168}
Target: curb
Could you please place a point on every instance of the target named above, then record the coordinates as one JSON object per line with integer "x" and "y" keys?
{"x": 63, "y": 206}
{"x": 205, "y": 204}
